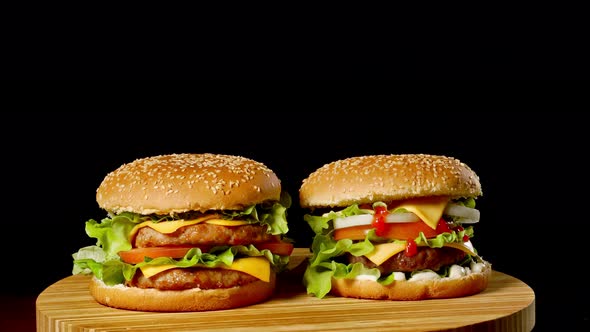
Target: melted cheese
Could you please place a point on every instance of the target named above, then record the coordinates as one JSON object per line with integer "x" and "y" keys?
{"x": 167, "y": 227}
{"x": 429, "y": 209}
{"x": 223, "y": 222}
{"x": 258, "y": 267}
{"x": 465, "y": 246}
{"x": 150, "y": 271}
{"x": 385, "y": 251}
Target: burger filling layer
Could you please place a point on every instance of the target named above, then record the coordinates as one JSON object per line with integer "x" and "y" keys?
{"x": 415, "y": 239}
{"x": 188, "y": 250}
{"x": 203, "y": 234}
{"x": 179, "y": 279}
{"x": 426, "y": 258}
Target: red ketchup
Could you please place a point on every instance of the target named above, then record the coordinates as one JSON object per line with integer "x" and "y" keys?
{"x": 411, "y": 248}
{"x": 442, "y": 227}
{"x": 379, "y": 220}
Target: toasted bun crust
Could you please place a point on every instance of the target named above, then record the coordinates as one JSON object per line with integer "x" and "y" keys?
{"x": 152, "y": 299}
{"x": 187, "y": 182}
{"x": 413, "y": 290}
{"x": 367, "y": 179}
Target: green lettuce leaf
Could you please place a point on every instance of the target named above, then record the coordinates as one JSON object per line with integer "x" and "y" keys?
{"x": 112, "y": 235}
{"x": 274, "y": 214}
{"x": 467, "y": 202}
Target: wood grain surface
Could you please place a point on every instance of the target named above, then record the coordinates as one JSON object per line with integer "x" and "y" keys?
{"x": 507, "y": 304}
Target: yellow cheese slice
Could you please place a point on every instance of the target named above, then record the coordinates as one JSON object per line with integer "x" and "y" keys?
{"x": 150, "y": 271}
{"x": 167, "y": 227}
{"x": 385, "y": 251}
{"x": 465, "y": 246}
{"x": 226, "y": 222}
{"x": 429, "y": 209}
{"x": 258, "y": 267}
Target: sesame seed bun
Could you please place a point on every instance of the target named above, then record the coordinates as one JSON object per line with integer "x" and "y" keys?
{"x": 195, "y": 299}
{"x": 178, "y": 183}
{"x": 367, "y": 179}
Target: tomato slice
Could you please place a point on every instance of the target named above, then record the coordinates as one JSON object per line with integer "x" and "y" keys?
{"x": 278, "y": 248}
{"x": 399, "y": 231}
{"x": 136, "y": 255}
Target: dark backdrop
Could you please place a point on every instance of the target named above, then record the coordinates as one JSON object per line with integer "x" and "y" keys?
{"x": 533, "y": 224}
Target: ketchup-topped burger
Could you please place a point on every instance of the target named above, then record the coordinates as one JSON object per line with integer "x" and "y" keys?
{"x": 394, "y": 227}
{"x": 187, "y": 232}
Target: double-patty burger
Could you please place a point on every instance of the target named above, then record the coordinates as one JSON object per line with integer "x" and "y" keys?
{"x": 187, "y": 232}
{"x": 394, "y": 227}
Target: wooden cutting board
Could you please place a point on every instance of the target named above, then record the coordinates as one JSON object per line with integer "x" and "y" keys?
{"x": 507, "y": 304}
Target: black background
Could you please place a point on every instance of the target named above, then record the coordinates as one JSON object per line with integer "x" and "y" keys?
{"x": 531, "y": 167}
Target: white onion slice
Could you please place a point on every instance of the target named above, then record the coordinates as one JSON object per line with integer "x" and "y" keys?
{"x": 357, "y": 220}
{"x": 465, "y": 214}
{"x": 367, "y": 219}
{"x": 401, "y": 217}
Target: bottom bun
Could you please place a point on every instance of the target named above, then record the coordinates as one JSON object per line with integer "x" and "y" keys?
{"x": 152, "y": 299}
{"x": 414, "y": 290}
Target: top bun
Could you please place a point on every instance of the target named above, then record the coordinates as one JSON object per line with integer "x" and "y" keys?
{"x": 176, "y": 183}
{"x": 367, "y": 179}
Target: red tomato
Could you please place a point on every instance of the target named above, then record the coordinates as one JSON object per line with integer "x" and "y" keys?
{"x": 136, "y": 255}
{"x": 400, "y": 231}
{"x": 278, "y": 248}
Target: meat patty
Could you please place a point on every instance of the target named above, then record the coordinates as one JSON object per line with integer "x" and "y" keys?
{"x": 426, "y": 258}
{"x": 179, "y": 279}
{"x": 203, "y": 234}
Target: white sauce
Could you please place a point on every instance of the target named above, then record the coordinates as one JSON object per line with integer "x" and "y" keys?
{"x": 455, "y": 272}
{"x": 476, "y": 267}
{"x": 399, "y": 276}
{"x": 427, "y": 275}
{"x": 367, "y": 277}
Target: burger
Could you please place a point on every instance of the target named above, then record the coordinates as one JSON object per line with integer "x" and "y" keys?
{"x": 187, "y": 232}
{"x": 393, "y": 227}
